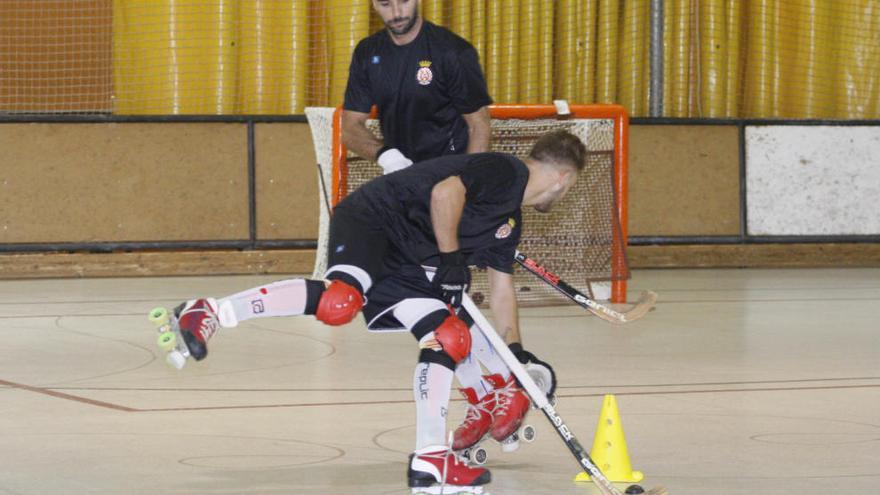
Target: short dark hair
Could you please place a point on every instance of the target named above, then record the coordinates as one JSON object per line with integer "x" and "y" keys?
{"x": 561, "y": 147}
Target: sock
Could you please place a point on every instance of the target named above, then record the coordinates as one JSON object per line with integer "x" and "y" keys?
{"x": 469, "y": 374}
{"x": 482, "y": 350}
{"x": 431, "y": 388}
{"x": 283, "y": 298}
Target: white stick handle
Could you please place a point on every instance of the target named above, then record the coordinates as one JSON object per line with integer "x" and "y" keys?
{"x": 506, "y": 354}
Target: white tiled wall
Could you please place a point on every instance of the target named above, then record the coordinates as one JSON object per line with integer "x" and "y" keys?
{"x": 813, "y": 180}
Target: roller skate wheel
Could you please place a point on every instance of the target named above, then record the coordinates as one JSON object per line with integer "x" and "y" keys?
{"x": 176, "y": 359}
{"x": 166, "y": 341}
{"x": 480, "y": 456}
{"x": 510, "y": 444}
{"x": 528, "y": 433}
{"x": 158, "y": 316}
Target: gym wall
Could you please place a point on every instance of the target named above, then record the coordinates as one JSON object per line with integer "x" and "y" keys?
{"x": 176, "y": 197}
{"x": 131, "y": 144}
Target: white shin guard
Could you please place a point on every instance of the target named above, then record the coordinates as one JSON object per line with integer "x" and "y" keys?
{"x": 431, "y": 388}
{"x": 469, "y": 374}
{"x": 482, "y": 350}
{"x": 282, "y": 298}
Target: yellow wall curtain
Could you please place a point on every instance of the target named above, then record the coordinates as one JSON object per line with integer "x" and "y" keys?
{"x": 566, "y": 50}
{"x": 187, "y": 67}
{"x": 811, "y": 73}
{"x": 478, "y": 29}
{"x": 545, "y": 52}
{"x": 492, "y": 56}
{"x": 634, "y": 62}
{"x": 348, "y": 22}
{"x": 433, "y": 10}
{"x": 788, "y": 59}
{"x": 677, "y": 35}
{"x": 273, "y": 53}
{"x": 713, "y": 58}
{"x": 722, "y": 58}
{"x": 529, "y": 50}
{"x": 508, "y": 64}
{"x": 460, "y": 22}
{"x": 856, "y": 61}
{"x": 733, "y": 68}
{"x": 608, "y": 53}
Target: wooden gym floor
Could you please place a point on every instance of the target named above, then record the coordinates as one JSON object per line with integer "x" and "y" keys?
{"x": 740, "y": 382}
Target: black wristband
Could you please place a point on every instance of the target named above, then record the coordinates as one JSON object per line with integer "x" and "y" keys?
{"x": 522, "y": 355}
{"x": 454, "y": 258}
{"x": 515, "y": 347}
{"x": 383, "y": 149}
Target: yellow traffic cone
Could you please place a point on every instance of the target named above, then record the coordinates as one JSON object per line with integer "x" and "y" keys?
{"x": 609, "y": 447}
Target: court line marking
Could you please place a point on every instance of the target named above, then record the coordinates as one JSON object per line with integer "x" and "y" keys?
{"x": 71, "y": 397}
{"x": 598, "y": 394}
{"x": 409, "y": 389}
{"x": 109, "y": 405}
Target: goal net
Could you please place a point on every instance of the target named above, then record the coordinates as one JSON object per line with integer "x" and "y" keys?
{"x": 582, "y": 240}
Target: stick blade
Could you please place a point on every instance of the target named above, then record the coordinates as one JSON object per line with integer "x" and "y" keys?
{"x": 645, "y": 303}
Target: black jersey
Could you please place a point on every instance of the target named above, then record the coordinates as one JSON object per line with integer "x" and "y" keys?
{"x": 421, "y": 89}
{"x": 491, "y": 222}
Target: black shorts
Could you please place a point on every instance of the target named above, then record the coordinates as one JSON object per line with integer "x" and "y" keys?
{"x": 409, "y": 282}
{"x": 357, "y": 238}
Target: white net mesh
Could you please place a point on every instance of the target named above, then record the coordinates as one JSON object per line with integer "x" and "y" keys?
{"x": 321, "y": 124}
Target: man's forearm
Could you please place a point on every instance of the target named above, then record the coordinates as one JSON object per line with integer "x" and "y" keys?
{"x": 502, "y": 301}
{"x": 357, "y": 138}
{"x": 447, "y": 204}
{"x": 479, "y": 130}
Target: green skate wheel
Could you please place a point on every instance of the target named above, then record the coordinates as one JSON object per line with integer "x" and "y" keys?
{"x": 167, "y": 340}
{"x": 158, "y": 316}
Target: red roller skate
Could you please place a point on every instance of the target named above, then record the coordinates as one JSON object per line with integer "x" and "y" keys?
{"x": 185, "y": 332}
{"x": 437, "y": 470}
{"x": 475, "y": 426}
{"x": 511, "y": 406}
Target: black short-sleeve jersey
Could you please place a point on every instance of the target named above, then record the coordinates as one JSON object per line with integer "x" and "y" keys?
{"x": 491, "y": 223}
{"x": 421, "y": 89}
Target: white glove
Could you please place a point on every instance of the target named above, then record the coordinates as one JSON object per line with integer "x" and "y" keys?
{"x": 392, "y": 160}
{"x": 544, "y": 377}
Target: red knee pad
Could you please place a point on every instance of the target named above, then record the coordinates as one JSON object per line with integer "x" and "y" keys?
{"x": 339, "y": 304}
{"x": 455, "y": 337}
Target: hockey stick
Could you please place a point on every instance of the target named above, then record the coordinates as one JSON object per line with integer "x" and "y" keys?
{"x": 540, "y": 400}
{"x": 641, "y": 308}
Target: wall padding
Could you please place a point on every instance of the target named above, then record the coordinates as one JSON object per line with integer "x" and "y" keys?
{"x": 684, "y": 180}
{"x": 287, "y": 182}
{"x": 123, "y": 182}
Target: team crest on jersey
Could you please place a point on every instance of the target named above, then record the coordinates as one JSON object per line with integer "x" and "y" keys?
{"x": 506, "y": 229}
{"x": 424, "y": 76}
